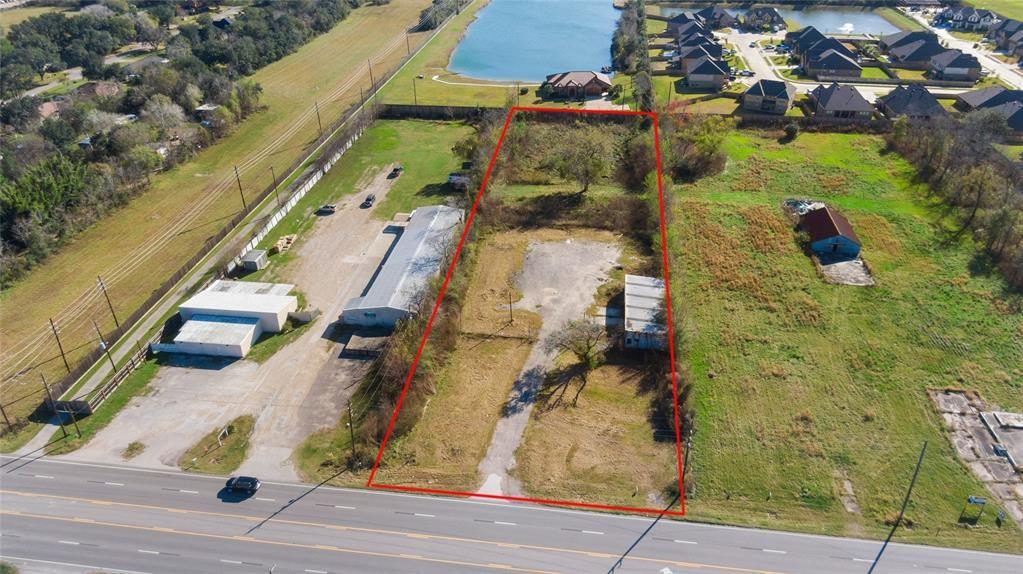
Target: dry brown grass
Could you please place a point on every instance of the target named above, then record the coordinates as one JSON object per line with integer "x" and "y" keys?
{"x": 486, "y": 304}
{"x": 452, "y": 436}
{"x": 601, "y": 449}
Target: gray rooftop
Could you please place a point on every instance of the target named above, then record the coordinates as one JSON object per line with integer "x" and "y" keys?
{"x": 644, "y": 305}
{"x": 415, "y": 258}
{"x": 217, "y": 330}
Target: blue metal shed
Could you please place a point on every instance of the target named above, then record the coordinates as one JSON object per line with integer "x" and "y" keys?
{"x": 831, "y": 236}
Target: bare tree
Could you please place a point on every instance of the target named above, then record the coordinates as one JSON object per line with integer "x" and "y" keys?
{"x": 586, "y": 340}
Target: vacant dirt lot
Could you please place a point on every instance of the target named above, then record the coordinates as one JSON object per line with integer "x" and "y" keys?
{"x": 301, "y": 388}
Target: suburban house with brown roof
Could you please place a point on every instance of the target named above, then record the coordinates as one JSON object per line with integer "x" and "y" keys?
{"x": 769, "y": 97}
{"x": 715, "y": 17}
{"x": 708, "y": 73}
{"x": 831, "y": 236}
{"x": 763, "y": 18}
{"x": 579, "y": 84}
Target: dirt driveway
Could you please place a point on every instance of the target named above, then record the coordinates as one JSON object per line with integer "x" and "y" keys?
{"x": 300, "y": 389}
{"x": 558, "y": 280}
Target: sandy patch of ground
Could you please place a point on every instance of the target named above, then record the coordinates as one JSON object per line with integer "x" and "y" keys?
{"x": 302, "y": 388}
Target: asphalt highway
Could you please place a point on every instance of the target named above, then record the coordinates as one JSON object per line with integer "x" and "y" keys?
{"x": 63, "y": 516}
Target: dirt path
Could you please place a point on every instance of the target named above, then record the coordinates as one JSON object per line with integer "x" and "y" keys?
{"x": 300, "y": 389}
{"x": 558, "y": 280}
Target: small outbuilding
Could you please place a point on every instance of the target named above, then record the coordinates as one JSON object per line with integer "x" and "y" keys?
{"x": 644, "y": 313}
{"x": 255, "y": 260}
{"x": 831, "y": 236}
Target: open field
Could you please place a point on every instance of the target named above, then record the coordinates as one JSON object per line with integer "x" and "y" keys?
{"x": 808, "y": 392}
{"x": 1004, "y": 8}
{"x": 138, "y": 246}
{"x": 14, "y": 16}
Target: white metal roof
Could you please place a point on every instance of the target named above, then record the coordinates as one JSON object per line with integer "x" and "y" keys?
{"x": 216, "y": 330}
{"x": 415, "y": 258}
{"x": 251, "y": 287}
{"x": 217, "y": 302}
{"x": 644, "y": 303}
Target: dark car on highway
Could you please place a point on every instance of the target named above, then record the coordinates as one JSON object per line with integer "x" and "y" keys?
{"x": 246, "y": 484}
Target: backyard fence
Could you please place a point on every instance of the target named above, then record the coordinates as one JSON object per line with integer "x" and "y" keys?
{"x": 426, "y": 112}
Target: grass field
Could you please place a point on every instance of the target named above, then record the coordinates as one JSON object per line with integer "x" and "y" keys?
{"x": 1004, "y": 8}
{"x": 601, "y": 450}
{"x": 898, "y": 18}
{"x": 212, "y": 455}
{"x": 904, "y": 74}
{"x": 801, "y": 385}
{"x": 873, "y": 72}
{"x": 111, "y": 247}
{"x": 14, "y": 16}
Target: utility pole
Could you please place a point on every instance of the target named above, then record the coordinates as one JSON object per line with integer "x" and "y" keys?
{"x": 511, "y": 315}
{"x": 59, "y": 346}
{"x": 10, "y": 427}
{"x": 408, "y": 46}
{"x": 53, "y": 404}
{"x": 276, "y": 193}
{"x": 103, "y": 345}
{"x": 372, "y": 82}
{"x": 238, "y": 179}
{"x": 902, "y": 511}
{"x": 318, "y": 122}
{"x": 74, "y": 420}
{"x": 415, "y": 98}
{"x": 351, "y": 430}
{"x": 103, "y": 288}
{"x": 517, "y": 92}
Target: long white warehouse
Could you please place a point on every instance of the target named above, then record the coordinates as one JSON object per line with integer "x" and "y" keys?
{"x": 404, "y": 276}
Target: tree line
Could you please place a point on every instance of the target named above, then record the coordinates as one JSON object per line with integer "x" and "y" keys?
{"x": 92, "y": 153}
{"x": 982, "y": 190}
{"x": 630, "y": 54}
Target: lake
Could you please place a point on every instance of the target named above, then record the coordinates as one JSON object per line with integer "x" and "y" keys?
{"x": 528, "y": 39}
{"x": 827, "y": 20}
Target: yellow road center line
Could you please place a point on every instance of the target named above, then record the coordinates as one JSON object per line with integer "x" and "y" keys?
{"x": 403, "y": 534}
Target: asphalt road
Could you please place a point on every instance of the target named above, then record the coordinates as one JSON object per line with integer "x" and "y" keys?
{"x": 61, "y": 516}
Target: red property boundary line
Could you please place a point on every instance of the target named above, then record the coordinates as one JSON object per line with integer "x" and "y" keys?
{"x": 440, "y": 297}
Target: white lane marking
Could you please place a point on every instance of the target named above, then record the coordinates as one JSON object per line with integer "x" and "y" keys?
{"x": 315, "y": 571}
{"x": 42, "y": 476}
{"x": 267, "y": 499}
{"x": 959, "y": 570}
{"x": 344, "y": 507}
{"x": 226, "y": 561}
{"x": 774, "y": 551}
{"x": 89, "y": 566}
{"x": 686, "y": 542}
{"x": 592, "y": 532}
{"x": 71, "y": 542}
{"x": 148, "y": 551}
{"x": 863, "y": 560}
{"x": 420, "y": 514}
{"x": 502, "y": 523}
{"x": 114, "y": 483}
{"x": 188, "y": 491}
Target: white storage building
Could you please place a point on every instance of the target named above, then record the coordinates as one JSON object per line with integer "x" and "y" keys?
{"x": 414, "y": 259}
{"x": 228, "y": 317}
{"x": 644, "y": 313}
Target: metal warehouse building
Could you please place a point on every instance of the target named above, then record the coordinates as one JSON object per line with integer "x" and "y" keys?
{"x": 229, "y": 316}
{"x": 644, "y": 313}
{"x": 414, "y": 259}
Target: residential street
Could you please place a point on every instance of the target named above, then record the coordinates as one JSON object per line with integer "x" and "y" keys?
{"x": 1008, "y": 73}
{"x": 61, "y": 516}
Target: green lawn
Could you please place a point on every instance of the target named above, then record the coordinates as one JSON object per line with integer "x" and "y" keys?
{"x": 968, "y": 36}
{"x": 910, "y": 74}
{"x": 721, "y": 105}
{"x": 898, "y": 18}
{"x": 14, "y": 16}
{"x": 1011, "y": 151}
{"x": 1004, "y": 8}
{"x": 801, "y": 385}
{"x": 876, "y": 73}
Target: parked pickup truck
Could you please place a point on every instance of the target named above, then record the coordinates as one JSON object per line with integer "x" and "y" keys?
{"x": 459, "y": 180}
